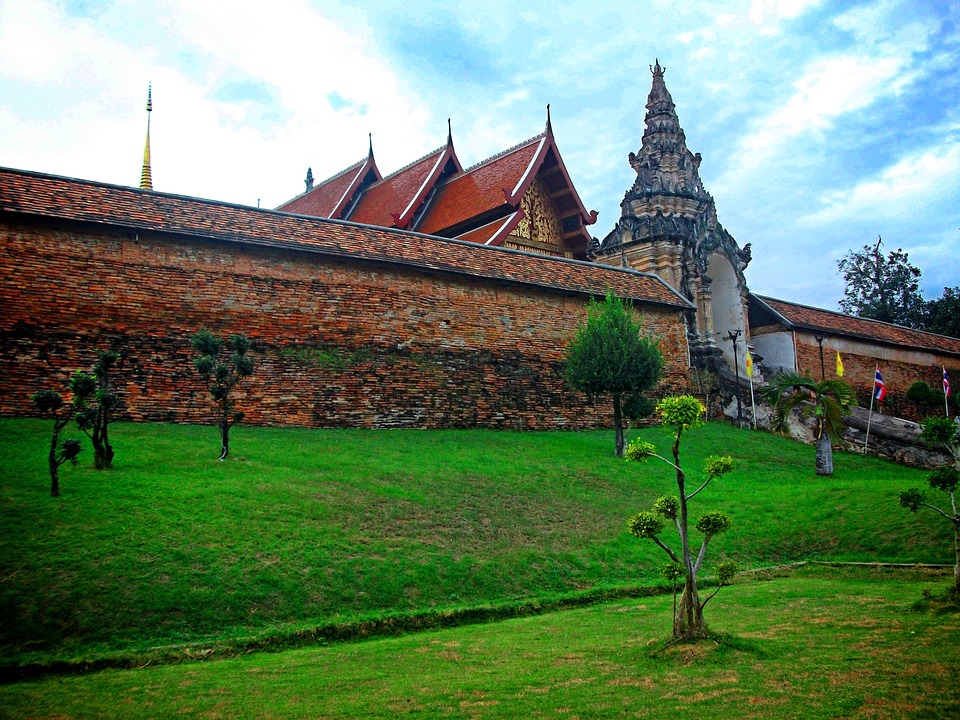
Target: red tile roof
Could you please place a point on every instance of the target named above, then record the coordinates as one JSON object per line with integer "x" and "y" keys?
{"x": 393, "y": 201}
{"x": 809, "y": 318}
{"x": 493, "y": 232}
{"x": 332, "y": 197}
{"x": 46, "y": 196}
{"x": 480, "y": 189}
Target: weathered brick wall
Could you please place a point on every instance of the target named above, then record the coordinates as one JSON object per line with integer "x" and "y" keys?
{"x": 336, "y": 343}
{"x": 900, "y": 370}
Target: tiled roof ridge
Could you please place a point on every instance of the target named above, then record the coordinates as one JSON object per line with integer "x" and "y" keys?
{"x": 343, "y": 172}
{"x": 839, "y": 314}
{"x": 198, "y": 231}
{"x": 316, "y": 186}
{"x": 410, "y": 165}
{"x": 504, "y": 153}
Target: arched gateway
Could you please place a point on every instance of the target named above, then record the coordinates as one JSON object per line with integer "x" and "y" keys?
{"x": 669, "y": 226}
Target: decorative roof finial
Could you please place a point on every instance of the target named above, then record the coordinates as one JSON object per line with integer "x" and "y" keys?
{"x": 146, "y": 176}
{"x": 370, "y": 151}
{"x": 309, "y": 181}
{"x": 549, "y": 128}
{"x": 656, "y": 69}
{"x": 449, "y": 132}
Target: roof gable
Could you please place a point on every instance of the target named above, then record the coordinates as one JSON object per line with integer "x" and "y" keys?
{"x": 496, "y": 186}
{"x": 803, "y": 317}
{"x": 45, "y": 196}
{"x": 394, "y": 200}
{"x": 332, "y": 197}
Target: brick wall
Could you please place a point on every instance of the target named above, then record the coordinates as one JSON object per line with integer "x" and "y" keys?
{"x": 336, "y": 343}
{"x": 899, "y": 368}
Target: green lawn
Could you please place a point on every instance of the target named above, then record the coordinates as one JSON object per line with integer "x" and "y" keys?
{"x": 816, "y": 643}
{"x": 308, "y": 528}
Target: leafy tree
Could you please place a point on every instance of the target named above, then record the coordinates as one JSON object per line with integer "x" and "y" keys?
{"x": 95, "y": 404}
{"x": 882, "y": 287}
{"x": 610, "y": 355}
{"x": 941, "y": 431}
{"x": 222, "y": 365}
{"x": 681, "y": 413}
{"x": 943, "y": 314}
{"x": 50, "y": 403}
{"x": 828, "y": 400}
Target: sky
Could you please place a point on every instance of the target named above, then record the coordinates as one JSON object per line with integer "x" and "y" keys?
{"x": 822, "y": 125}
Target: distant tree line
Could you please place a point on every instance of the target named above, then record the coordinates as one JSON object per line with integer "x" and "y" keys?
{"x": 886, "y": 287}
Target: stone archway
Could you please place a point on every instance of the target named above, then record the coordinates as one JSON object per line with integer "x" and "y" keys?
{"x": 726, "y": 308}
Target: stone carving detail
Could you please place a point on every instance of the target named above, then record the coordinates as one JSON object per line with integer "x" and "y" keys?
{"x": 668, "y": 207}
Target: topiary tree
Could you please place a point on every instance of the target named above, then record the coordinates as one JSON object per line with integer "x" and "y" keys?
{"x": 222, "y": 365}
{"x": 941, "y": 431}
{"x": 828, "y": 400}
{"x": 610, "y": 355}
{"x": 681, "y": 413}
{"x": 95, "y": 404}
{"x": 50, "y": 403}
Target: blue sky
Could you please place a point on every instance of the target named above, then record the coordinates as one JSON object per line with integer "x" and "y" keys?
{"x": 821, "y": 124}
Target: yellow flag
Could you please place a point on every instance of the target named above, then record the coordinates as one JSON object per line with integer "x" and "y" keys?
{"x": 839, "y": 365}
{"x": 749, "y": 364}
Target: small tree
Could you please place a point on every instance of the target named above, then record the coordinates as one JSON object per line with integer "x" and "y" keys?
{"x": 941, "y": 431}
{"x": 882, "y": 287}
{"x": 828, "y": 400}
{"x": 222, "y": 365}
{"x": 50, "y": 403}
{"x": 95, "y": 404}
{"x": 610, "y": 355}
{"x": 681, "y": 413}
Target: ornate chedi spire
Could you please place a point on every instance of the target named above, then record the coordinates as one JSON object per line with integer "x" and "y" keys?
{"x": 146, "y": 176}
{"x": 668, "y": 225}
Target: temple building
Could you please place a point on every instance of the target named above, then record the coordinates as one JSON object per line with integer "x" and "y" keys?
{"x": 669, "y": 226}
{"x": 521, "y": 198}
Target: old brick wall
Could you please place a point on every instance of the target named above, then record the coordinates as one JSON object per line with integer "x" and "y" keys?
{"x": 899, "y": 368}
{"x": 336, "y": 343}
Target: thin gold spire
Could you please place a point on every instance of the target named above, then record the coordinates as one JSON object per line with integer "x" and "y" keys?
{"x": 146, "y": 178}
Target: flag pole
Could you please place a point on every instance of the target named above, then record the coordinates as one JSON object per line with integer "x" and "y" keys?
{"x": 873, "y": 393}
{"x": 946, "y": 391}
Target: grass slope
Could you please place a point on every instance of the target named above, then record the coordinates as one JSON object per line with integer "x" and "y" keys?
{"x": 302, "y": 527}
{"x": 815, "y": 644}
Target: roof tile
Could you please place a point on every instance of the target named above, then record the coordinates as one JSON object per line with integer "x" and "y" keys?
{"x": 40, "y": 195}
{"x": 811, "y": 318}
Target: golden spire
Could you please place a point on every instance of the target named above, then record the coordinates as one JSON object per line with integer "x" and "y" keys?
{"x": 146, "y": 179}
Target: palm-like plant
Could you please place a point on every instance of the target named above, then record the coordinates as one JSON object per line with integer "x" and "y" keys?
{"x": 827, "y": 400}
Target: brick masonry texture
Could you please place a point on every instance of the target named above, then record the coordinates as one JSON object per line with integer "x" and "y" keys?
{"x": 338, "y": 342}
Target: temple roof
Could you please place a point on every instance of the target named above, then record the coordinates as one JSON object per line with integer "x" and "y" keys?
{"x": 334, "y": 196}
{"x": 468, "y": 202}
{"x": 36, "y": 195}
{"x": 395, "y": 200}
{"x": 803, "y": 317}
{"x": 434, "y": 195}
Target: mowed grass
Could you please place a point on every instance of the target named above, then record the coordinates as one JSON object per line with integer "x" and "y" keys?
{"x": 814, "y": 644}
{"x": 301, "y": 528}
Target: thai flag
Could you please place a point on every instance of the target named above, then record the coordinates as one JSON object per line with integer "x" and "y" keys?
{"x": 879, "y": 389}
{"x": 946, "y": 384}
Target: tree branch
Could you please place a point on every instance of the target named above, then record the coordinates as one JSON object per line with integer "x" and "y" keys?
{"x": 703, "y": 552}
{"x": 706, "y": 482}
{"x": 952, "y": 518}
{"x": 671, "y": 553}
{"x": 710, "y": 597}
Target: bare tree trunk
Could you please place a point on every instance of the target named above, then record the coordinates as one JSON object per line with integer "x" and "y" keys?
{"x": 618, "y": 424}
{"x": 54, "y": 465}
{"x": 688, "y": 619}
{"x": 224, "y": 439}
{"x": 824, "y": 461}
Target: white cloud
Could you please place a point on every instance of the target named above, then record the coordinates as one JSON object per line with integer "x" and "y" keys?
{"x": 768, "y": 14}
{"x": 899, "y": 192}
